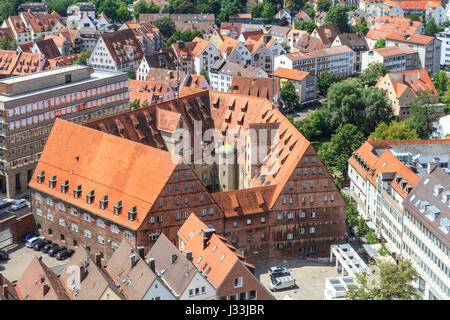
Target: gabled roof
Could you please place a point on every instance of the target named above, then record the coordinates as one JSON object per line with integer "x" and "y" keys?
{"x": 412, "y": 38}
{"x": 42, "y": 22}
{"x": 69, "y": 34}
{"x": 291, "y": 74}
{"x": 420, "y": 5}
{"x": 15, "y": 63}
{"x": 119, "y": 42}
{"x": 125, "y": 176}
{"x": 58, "y": 40}
{"x": 48, "y": 48}
{"x": 94, "y": 281}
{"x": 228, "y": 45}
{"x": 184, "y": 50}
{"x": 254, "y": 34}
{"x": 217, "y": 264}
{"x": 394, "y": 51}
{"x": 62, "y": 61}
{"x": 327, "y": 33}
{"x": 256, "y": 87}
{"x": 178, "y": 275}
{"x": 353, "y": 40}
{"x": 38, "y": 282}
{"x": 416, "y": 80}
{"x": 200, "y": 46}
{"x": 134, "y": 280}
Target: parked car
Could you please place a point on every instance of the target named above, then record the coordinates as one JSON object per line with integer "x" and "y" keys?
{"x": 48, "y": 247}
{"x": 22, "y": 203}
{"x": 278, "y": 271}
{"x": 3, "y": 255}
{"x": 64, "y": 254}
{"x": 53, "y": 251}
{"x": 28, "y": 236}
{"x": 40, "y": 244}
{"x": 281, "y": 283}
{"x": 30, "y": 242}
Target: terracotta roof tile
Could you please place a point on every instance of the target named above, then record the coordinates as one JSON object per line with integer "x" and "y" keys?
{"x": 413, "y": 38}
{"x": 297, "y": 75}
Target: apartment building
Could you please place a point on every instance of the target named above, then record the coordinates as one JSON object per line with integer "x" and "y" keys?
{"x": 428, "y": 48}
{"x": 205, "y": 55}
{"x": 383, "y": 173}
{"x": 235, "y": 51}
{"x": 444, "y": 37}
{"x": 337, "y": 60}
{"x": 304, "y": 82}
{"x": 222, "y": 72}
{"x": 355, "y": 41}
{"x": 76, "y": 12}
{"x": 35, "y": 7}
{"x": 29, "y": 26}
{"x": 117, "y": 51}
{"x": 426, "y": 227}
{"x": 225, "y": 268}
{"x": 300, "y": 40}
{"x": 269, "y": 214}
{"x": 184, "y": 53}
{"x": 327, "y": 34}
{"x": 405, "y": 86}
{"x": 163, "y": 59}
{"x": 149, "y": 35}
{"x": 394, "y": 58}
{"x": 31, "y": 103}
{"x": 427, "y": 9}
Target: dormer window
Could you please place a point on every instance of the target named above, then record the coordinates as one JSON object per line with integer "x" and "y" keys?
{"x": 118, "y": 208}
{"x": 437, "y": 190}
{"x": 65, "y": 187}
{"x": 132, "y": 213}
{"x": 77, "y": 192}
{"x": 90, "y": 197}
{"x": 41, "y": 177}
{"x": 104, "y": 202}
{"x": 52, "y": 182}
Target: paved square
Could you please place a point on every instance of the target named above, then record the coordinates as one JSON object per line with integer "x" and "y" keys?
{"x": 20, "y": 257}
{"x": 309, "y": 278}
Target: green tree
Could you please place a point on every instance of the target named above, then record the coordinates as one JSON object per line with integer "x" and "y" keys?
{"x": 361, "y": 26}
{"x": 294, "y": 5}
{"x": 421, "y": 109}
{"x": 123, "y": 14}
{"x": 205, "y": 74}
{"x": 372, "y": 74}
{"x": 308, "y": 26}
{"x": 440, "y": 82}
{"x": 8, "y": 8}
{"x": 386, "y": 281}
{"x": 310, "y": 10}
{"x": 343, "y": 143}
{"x": 318, "y": 124}
{"x": 371, "y": 238}
{"x": 134, "y": 105}
{"x": 211, "y": 6}
{"x": 414, "y": 17}
{"x": 285, "y": 46}
{"x": 352, "y": 214}
{"x": 166, "y": 26}
{"x": 144, "y": 7}
{"x": 186, "y": 36}
{"x": 257, "y": 10}
{"x": 131, "y": 72}
{"x": 431, "y": 28}
{"x": 59, "y": 6}
{"x": 41, "y": 37}
{"x": 395, "y": 131}
{"x": 111, "y": 9}
{"x": 325, "y": 80}
{"x": 228, "y": 8}
{"x": 324, "y": 5}
{"x": 377, "y": 106}
{"x": 6, "y": 44}
{"x": 288, "y": 94}
{"x": 362, "y": 228}
{"x": 269, "y": 10}
{"x": 381, "y": 43}
{"x": 338, "y": 16}
{"x": 83, "y": 57}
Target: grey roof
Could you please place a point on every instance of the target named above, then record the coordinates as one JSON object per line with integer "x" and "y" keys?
{"x": 423, "y": 194}
{"x": 229, "y": 68}
{"x": 278, "y": 31}
{"x": 355, "y": 41}
{"x": 177, "y": 275}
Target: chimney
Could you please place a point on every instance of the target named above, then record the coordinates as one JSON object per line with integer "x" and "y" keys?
{"x": 189, "y": 255}
{"x": 140, "y": 251}
{"x": 151, "y": 262}
{"x": 266, "y": 38}
{"x": 5, "y": 291}
{"x": 98, "y": 259}
{"x": 45, "y": 288}
{"x": 207, "y": 233}
{"x": 133, "y": 260}
{"x": 431, "y": 166}
{"x": 41, "y": 280}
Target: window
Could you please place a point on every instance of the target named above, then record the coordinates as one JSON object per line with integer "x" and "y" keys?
{"x": 160, "y": 219}
{"x": 100, "y": 223}
{"x": 211, "y": 211}
{"x": 49, "y": 201}
{"x": 263, "y": 220}
{"x": 301, "y": 230}
{"x": 312, "y": 230}
{"x": 279, "y": 216}
{"x": 252, "y": 295}
{"x": 238, "y": 282}
{"x": 100, "y": 239}
{"x": 62, "y": 222}
{"x": 202, "y": 197}
{"x": 128, "y": 235}
{"x": 39, "y": 212}
{"x": 50, "y": 216}
{"x": 114, "y": 245}
{"x": 235, "y": 224}
{"x": 290, "y": 215}
{"x": 203, "y": 290}
{"x": 61, "y": 206}
{"x": 249, "y": 221}
{"x": 87, "y": 217}
{"x": 191, "y": 292}
{"x": 313, "y": 214}
{"x": 290, "y": 236}
{"x": 74, "y": 211}
{"x": 203, "y": 212}
{"x": 87, "y": 233}
{"x": 38, "y": 196}
{"x": 114, "y": 229}
{"x": 74, "y": 227}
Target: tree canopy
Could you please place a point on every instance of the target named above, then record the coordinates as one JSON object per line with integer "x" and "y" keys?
{"x": 186, "y": 36}
{"x": 324, "y": 5}
{"x": 288, "y": 94}
{"x": 337, "y": 15}
{"x": 372, "y": 74}
{"x": 361, "y": 26}
{"x": 325, "y": 80}
{"x": 83, "y": 57}
{"x": 6, "y": 44}
{"x": 395, "y": 131}
{"x": 166, "y": 26}
{"x": 145, "y": 7}
{"x": 440, "y": 82}
{"x": 381, "y": 43}
{"x": 431, "y": 28}
{"x": 308, "y": 26}
{"x": 386, "y": 281}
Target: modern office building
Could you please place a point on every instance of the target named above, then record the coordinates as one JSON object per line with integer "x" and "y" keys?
{"x": 30, "y": 104}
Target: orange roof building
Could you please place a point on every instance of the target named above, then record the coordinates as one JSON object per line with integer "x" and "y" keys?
{"x": 220, "y": 263}
{"x": 405, "y": 86}
{"x": 393, "y": 57}
{"x": 16, "y": 63}
{"x": 304, "y": 82}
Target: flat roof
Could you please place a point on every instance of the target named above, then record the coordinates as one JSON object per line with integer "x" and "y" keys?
{"x": 95, "y": 76}
{"x": 44, "y": 73}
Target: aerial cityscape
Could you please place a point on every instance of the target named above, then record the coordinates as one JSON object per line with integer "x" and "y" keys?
{"x": 224, "y": 150}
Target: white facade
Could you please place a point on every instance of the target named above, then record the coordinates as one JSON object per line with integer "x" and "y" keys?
{"x": 199, "y": 288}
{"x": 444, "y": 37}
{"x": 158, "y": 291}
{"x": 206, "y": 59}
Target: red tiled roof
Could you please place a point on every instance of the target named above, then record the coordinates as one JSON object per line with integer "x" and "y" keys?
{"x": 413, "y": 38}
{"x": 15, "y": 63}
{"x": 134, "y": 176}
{"x": 416, "y": 80}
{"x": 297, "y": 75}
{"x": 119, "y": 42}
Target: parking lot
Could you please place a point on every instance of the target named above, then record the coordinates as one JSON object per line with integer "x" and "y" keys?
{"x": 309, "y": 278}
{"x": 20, "y": 257}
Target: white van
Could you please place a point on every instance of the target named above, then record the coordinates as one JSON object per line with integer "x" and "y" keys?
{"x": 32, "y": 241}
{"x": 281, "y": 283}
